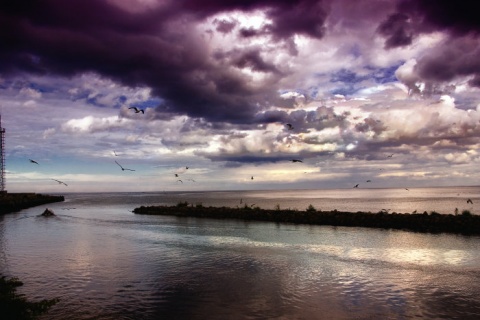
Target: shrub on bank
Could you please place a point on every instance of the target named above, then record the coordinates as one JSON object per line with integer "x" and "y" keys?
{"x": 16, "y": 306}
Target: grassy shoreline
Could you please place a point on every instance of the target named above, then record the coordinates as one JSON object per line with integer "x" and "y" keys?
{"x": 465, "y": 223}
{"x": 14, "y": 306}
{"x": 13, "y": 202}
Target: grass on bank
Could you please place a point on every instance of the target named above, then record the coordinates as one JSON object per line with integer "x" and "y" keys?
{"x": 14, "y": 306}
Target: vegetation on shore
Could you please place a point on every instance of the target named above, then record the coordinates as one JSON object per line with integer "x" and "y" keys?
{"x": 12, "y": 202}
{"x": 14, "y": 306}
{"x": 464, "y": 223}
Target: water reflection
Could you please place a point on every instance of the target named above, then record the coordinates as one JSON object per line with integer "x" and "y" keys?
{"x": 105, "y": 263}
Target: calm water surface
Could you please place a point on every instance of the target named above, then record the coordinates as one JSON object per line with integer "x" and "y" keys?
{"x": 104, "y": 262}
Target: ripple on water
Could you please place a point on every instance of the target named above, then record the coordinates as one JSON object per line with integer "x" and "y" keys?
{"x": 107, "y": 265}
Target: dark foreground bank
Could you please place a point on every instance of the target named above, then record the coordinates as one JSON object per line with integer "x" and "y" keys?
{"x": 464, "y": 223}
{"x": 14, "y": 306}
{"x": 12, "y": 202}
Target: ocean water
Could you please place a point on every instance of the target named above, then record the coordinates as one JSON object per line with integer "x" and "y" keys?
{"x": 104, "y": 262}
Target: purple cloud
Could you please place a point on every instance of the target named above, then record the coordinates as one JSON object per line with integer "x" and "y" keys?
{"x": 154, "y": 48}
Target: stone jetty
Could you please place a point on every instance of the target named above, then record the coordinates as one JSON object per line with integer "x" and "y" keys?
{"x": 464, "y": 223}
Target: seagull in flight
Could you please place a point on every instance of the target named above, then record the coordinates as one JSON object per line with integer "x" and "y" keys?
{"x": 116, "y": 155}
{"x": 356, "y": 186}
{"x": 137, "y": 110}
{"x": 180, "y": 180}
{"x": 123, "y": 169}
{"x": 176, "y": 175}
{"x": 289, "y": 125}
{"x": 390, "y": 155}
{"x": 369, "y": 180}
{"x": 296, "y": 160}
{"x": 33, "y": 161}
{"x": 470, "y": 201}
{"x": 60, "y": 182}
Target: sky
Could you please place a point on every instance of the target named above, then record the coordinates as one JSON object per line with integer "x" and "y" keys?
{"x": 379, "y": 90}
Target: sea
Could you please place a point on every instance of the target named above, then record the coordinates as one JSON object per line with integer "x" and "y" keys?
{"x": 102, "y": 261}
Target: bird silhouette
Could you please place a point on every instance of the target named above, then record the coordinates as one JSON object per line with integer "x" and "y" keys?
{"x": 390, "y": 155}
{"x": 60, "y": 182}
{"x": 369, "y": 180}
{"x": 176, "y": 175}
{"x": 115, "y": 153}
{"x": 296, "y": 160}
{"x": 407, "y": 189}
{"x": 356, "y": 186}
{"x": 470, "y": 201}
{"x": 289, "y": 126}
{"x": 123, "y": 169}
{"x": 33, "y": 161}
{"x": 137, "y": 110}
{"x": 180, "y": 180}
{"x": 252, "y": 178}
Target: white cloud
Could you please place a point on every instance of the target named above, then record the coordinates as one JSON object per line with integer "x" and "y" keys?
{"x": 90, "y": 124}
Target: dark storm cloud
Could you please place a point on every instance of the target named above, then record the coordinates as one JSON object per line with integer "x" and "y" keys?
{"x": 152, "y": 48}
{"x": 414, "y": 17}
{"x": 397, "y": 29}
{"x": 456, "y": 56}
{"x": 459, "y": 17}
{"x": 460, "y": 57}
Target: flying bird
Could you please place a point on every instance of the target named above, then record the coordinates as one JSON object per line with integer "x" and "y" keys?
{"x": 296, "y": 160}
{"x": 252, "y": 178}
{"x": 407, "y": 189}
{"x": 137, "y": 110}
{"x": 176, "y": 175}
{"x": 60, "y": 182}
{"x": 180, "y": 180}
{"x": 470, "y": 201}
{"x": 115, "y": 153}
{"x": 33, "y": 161}
{"x": 369, "y": 180}
{"x": 390, "y": 155}
{"x": 289, "y": 125}
{"x": 123, "y": 169}
{"x": 356, "y": 186}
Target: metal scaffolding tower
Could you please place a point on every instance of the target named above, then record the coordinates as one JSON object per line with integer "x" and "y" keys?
{"x": 2, "y": 158}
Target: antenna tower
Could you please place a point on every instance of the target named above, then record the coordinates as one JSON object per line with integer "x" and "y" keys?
{"x": 2, "y": 158}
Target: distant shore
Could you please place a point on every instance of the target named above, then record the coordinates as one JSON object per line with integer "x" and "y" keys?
{"x": 13, "y": 202}
{"x": 464, "y": 223}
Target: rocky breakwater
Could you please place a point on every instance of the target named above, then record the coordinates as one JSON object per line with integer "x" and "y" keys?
{"x": 12, "y": 202}
{"x": 464, "y": 223}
